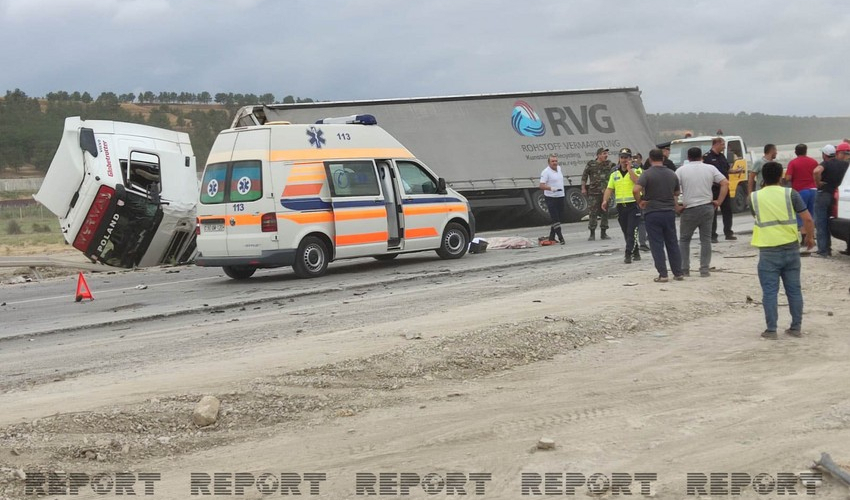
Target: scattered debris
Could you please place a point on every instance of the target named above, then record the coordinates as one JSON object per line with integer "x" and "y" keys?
{"x": 413, "y": 336}
{"x": 141, "y": 287}
{"x": 546, "y": 444}
{"x": 833, "y": 469}
{"x": 206, "y": 411}
{"x": 630, "y": 283}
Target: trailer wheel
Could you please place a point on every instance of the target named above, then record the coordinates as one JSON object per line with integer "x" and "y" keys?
{"x": 239, "y": 272}
{"x": 575, "y": 205}
{"x": 455, "y": 241}
{"x": 311, "y": 258}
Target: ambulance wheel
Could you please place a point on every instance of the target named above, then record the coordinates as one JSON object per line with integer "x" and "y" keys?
{"x": 239, "y": 272}
{"x": 311, "y": 258}
{"x": 388, "y": 256}
{"x": 455, "y": 242}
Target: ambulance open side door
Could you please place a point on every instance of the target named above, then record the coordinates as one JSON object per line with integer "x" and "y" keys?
{"x": 359, "y": 210}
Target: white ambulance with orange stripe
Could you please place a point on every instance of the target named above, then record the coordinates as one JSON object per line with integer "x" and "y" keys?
{"x": 303, "y": 195}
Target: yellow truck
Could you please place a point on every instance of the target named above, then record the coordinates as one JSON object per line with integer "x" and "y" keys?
{"x": 736, "y": 154}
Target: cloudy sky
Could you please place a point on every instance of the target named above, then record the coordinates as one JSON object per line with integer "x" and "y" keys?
{"x": 763, "y": 56}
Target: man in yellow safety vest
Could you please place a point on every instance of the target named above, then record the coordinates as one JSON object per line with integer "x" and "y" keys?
{"x": 775, "y": 234}
{"x": 621, "y": 184}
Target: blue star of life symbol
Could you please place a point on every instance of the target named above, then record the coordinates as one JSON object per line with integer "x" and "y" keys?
{"x": 212, "y": 187}
{"x": 316, "y": 138}
{"x": 244, "y": 185}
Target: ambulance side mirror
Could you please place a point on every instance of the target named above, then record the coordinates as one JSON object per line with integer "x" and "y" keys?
{"x": 441, "y": 186}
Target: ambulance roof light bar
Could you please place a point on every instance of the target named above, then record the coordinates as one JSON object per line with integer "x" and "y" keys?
{"x": 351, "y": 120}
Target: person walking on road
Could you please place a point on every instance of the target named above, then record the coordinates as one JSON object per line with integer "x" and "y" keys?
{"x": 593, "y": 182}
{"x": 621, "y": 184}
{"x": 552, "y": 184}
{"x": 696, "y": 180}
{"x": 715, "y": 157}
{"x": 657, "y": 192}
{"x": 775, "y": 235}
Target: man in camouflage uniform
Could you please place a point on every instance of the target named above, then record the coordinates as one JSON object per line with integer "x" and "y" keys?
{"x": 594, "y": 180}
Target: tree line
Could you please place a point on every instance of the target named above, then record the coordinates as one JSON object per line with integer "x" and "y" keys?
{"x": 31, "y": 127}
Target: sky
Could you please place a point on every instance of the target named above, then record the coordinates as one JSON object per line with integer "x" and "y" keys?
{"x": 785, "y": 58}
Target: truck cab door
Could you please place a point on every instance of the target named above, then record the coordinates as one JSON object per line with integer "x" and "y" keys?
{"x": 359, "y": 210}
{"x": 737, "y": 158}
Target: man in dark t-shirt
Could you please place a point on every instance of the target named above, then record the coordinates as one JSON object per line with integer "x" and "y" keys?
{"x": 828, "y": 176}
{"x": 657, "y": 192}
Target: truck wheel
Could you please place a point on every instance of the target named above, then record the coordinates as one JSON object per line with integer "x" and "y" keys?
{"x": 538, "y": 203}
{"x": 455, "y": 242}
{"x": 575, "y": 205}
{"x": 311, "y": 258}
{"x": 239, "y": 272}
{"x": 739, "y": 202}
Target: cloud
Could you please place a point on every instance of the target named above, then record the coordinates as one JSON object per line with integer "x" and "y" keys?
{"x": 704, "y": 55}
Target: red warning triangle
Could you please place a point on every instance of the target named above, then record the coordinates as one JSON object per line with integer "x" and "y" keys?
{"x": 83, "y": 291}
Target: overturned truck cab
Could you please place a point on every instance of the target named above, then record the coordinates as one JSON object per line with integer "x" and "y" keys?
{"x": 125, "y": 193}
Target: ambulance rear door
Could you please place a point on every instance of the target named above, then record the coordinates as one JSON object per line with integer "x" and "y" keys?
{"x": 251, "y": 220}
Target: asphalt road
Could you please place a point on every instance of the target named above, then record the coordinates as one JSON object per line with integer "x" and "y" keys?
{"x": 122, "y": 298}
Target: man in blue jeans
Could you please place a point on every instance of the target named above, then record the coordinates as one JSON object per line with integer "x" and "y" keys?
{"x": 775, "y": 234}
{"x": 828, "y": 176}
{"x": 657, "y": 193}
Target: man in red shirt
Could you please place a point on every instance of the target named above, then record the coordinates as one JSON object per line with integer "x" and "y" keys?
{"x": 799, "y": 175}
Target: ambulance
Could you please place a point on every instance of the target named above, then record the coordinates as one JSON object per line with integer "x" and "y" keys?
{"x": 303, "y": 195}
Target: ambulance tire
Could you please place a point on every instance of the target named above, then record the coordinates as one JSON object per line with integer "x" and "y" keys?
{"x": 239, "y": 272}
{"x": 455, "y": 241}
{"x": 387, "y": 256}
{"x": 311, "y": 258}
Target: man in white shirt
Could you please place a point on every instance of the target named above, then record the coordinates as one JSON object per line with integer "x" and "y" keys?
{"x": 695, "y": 180}
{"x": 552, "y": 184}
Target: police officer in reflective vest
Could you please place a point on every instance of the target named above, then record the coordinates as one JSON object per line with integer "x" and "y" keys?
{"x": 620, "y": 184}
{"x": 775, "y": 234}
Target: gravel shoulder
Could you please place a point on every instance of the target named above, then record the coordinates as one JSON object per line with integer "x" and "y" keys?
{"x": 457, "y": 374}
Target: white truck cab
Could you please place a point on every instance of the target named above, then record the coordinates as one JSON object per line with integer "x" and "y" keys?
{"x": 302, "y": 195}
{"x": 839, "y": 222}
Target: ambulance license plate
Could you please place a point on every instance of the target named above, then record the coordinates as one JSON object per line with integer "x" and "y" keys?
{"x": 213, "y": 228}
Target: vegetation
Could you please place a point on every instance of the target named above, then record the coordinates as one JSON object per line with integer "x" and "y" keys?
{"x": 28, "y": 226}
{"x": 30, "y": 128}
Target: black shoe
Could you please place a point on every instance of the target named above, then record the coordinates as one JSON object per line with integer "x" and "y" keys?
{"x": 636, "y": 256}
{"x": 794, "y": 332}
{"x": 563, "y": 242}
{"x": 731, "y": 237}
{"x": 714, "y": 239}
{"x": 645, "y": 248}
{"x": 604, "y": 236}
{"x": 592, "y": 236}
{"x": 769, "y": 334}
{"x": 628, "y": 259}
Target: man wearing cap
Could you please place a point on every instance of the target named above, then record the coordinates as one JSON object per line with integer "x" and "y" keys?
{"x": 715, "y": 157}
{"x": 775, "y": 234}
{"x": 552, "y": 184}
{"x": 621, "y": 184}
{"x": 828, "y": 176}
{"x": 593, "y": 182}
{"x": 665, "y": 148}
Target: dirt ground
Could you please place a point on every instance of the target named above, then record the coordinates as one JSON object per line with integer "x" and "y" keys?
{"x": 626, "y": 376}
